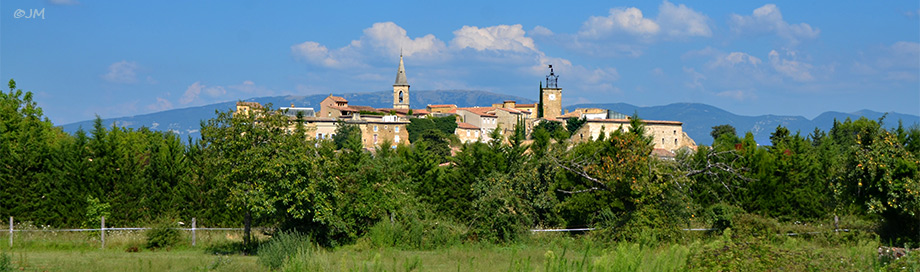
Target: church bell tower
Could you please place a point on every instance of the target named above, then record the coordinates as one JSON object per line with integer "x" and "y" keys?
{"x": 401, "y": 87}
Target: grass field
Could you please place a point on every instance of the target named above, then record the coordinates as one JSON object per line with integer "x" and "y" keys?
{"x": 540, "y": 252}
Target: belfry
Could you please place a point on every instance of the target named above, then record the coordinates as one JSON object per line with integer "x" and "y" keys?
{"x": 401, "y": 87}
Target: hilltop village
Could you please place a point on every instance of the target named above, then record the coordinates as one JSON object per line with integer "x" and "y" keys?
{"x": 473, "y": 123}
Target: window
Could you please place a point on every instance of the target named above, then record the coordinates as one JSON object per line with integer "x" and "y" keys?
{"x": 467, "y": 133}
{"x": 319, "y": 135}
{"x": 386, "y": 127}
{"x": 396, "y": 128}
{"x": 396, "y": 139}
{"x": 375, "y": 128}
{"x": 675, "y": 132}
{"x": 375, "y": 138}
{"x": 662, "y": 140}
{"x": 675, "y": 141}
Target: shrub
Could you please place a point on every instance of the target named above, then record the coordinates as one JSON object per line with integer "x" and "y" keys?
{"x": 754, "y": 226}
{"x": 721, "y": 215}
{"x": 422, "y": 234}
{"x": 162, "y": 235}
{"x": 282, "y": 247}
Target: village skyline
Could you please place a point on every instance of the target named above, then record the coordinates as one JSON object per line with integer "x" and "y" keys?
{"x": 119, "y": 59}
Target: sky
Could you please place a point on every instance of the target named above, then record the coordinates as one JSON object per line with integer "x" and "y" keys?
{"x": 84, "y": 58}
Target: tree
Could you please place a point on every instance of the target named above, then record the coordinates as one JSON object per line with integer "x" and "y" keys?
{"x": 540, "y": 104}
{"x": 268, "y": 172}
{"x": 718, "y": 131}
{"x": 573, "y": 124}
{"x": 347, "y": 136}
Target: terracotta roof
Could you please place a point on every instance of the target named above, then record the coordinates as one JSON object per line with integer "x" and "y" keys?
{"x": 462, "y": 125}
{"x": 525, "y": 105}
{"x": 420, "y": 112}
{"x": 443, "y": 106}
{"x": 338, "y": 98}
{"x": 480, "y": 111}
{"x": 512, "y": 110}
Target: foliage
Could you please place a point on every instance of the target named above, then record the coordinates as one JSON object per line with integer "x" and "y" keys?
{"x": 347, "y": 136}
{"x": 718, "y": 131}
{"x": 163, "y": 235}
{"x": 417, "y": 126}
{"x": 573, "y": 124}
{"x": 283, "y": 246}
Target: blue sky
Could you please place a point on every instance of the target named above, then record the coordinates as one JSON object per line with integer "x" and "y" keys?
{"x": 122, "y": 58}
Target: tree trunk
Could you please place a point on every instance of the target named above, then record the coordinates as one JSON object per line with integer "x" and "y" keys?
{"x": 247, "y": 227}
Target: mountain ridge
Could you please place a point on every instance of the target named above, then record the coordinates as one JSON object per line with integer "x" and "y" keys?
{"x": 698, "y": 118}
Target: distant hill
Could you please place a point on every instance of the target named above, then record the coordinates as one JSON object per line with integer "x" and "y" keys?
{"x": 187, "y": 121}
{"x": 699, "y": 119}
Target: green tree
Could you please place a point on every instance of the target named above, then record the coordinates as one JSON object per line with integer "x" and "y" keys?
{"x": 718, "y": 131}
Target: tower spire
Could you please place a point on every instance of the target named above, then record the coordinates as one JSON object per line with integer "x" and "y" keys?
{"x": 401, "y": 73}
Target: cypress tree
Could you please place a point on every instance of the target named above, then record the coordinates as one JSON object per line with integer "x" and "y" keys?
{"x": 540, "y": 105}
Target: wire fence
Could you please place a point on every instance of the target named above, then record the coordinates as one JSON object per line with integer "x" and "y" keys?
{"x": 103, "y": 229}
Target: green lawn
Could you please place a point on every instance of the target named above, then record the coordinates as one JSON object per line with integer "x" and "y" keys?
{"x": 118, "y": 260}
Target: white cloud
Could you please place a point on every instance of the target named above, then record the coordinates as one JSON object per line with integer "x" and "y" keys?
{"x": 541, "y": 31}
{"x": 194, "y": 91}
{"x": 797, "y": 70}
{"x": 315, "y": 53}
{"x": 497, "y": 38}
{"x": 768, "y": 20}
{"x": 390, "y": 38}
{"x": 629, "y": 20}
{"x": 387, "y": 39}
{"x": 681, "y": 21}
{"x": 121, "y": 72}
{"x": 733, "y": 59}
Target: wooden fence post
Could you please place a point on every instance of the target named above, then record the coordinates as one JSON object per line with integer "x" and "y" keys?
{"x": 102, "y": 232}
{"x": 11, "y": 232}
{"x": 193, "y": 231}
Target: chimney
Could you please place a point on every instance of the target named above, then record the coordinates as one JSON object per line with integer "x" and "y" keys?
{"x": 509, "y": 104}
{"x": 292, "y": 104}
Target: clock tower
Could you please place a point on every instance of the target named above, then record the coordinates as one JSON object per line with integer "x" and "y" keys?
{"x": 552, "y": 96}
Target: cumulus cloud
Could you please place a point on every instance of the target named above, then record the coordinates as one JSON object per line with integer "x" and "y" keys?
{"x": 673, "y": 21}
{"x": 496, "y": 38}
{"x": 681, "y": 21}
{"x": 384, "y": 38}
{"x": 121, "y": 72}
{"x": 628, "y": 20}
{"x": 797, "y": 70}
{"x": 769, "y": 20}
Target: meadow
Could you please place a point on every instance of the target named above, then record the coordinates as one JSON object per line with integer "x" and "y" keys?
{"x": 219, "y": 251}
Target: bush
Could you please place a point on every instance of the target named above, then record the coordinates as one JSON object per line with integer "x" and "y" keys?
{"x": 418, "y": 234}
{"x": 721, "y": 215}
{"x": 282, "y": 247}
{"x": 754, "y": 226}
{"x": 163, "y": 235}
